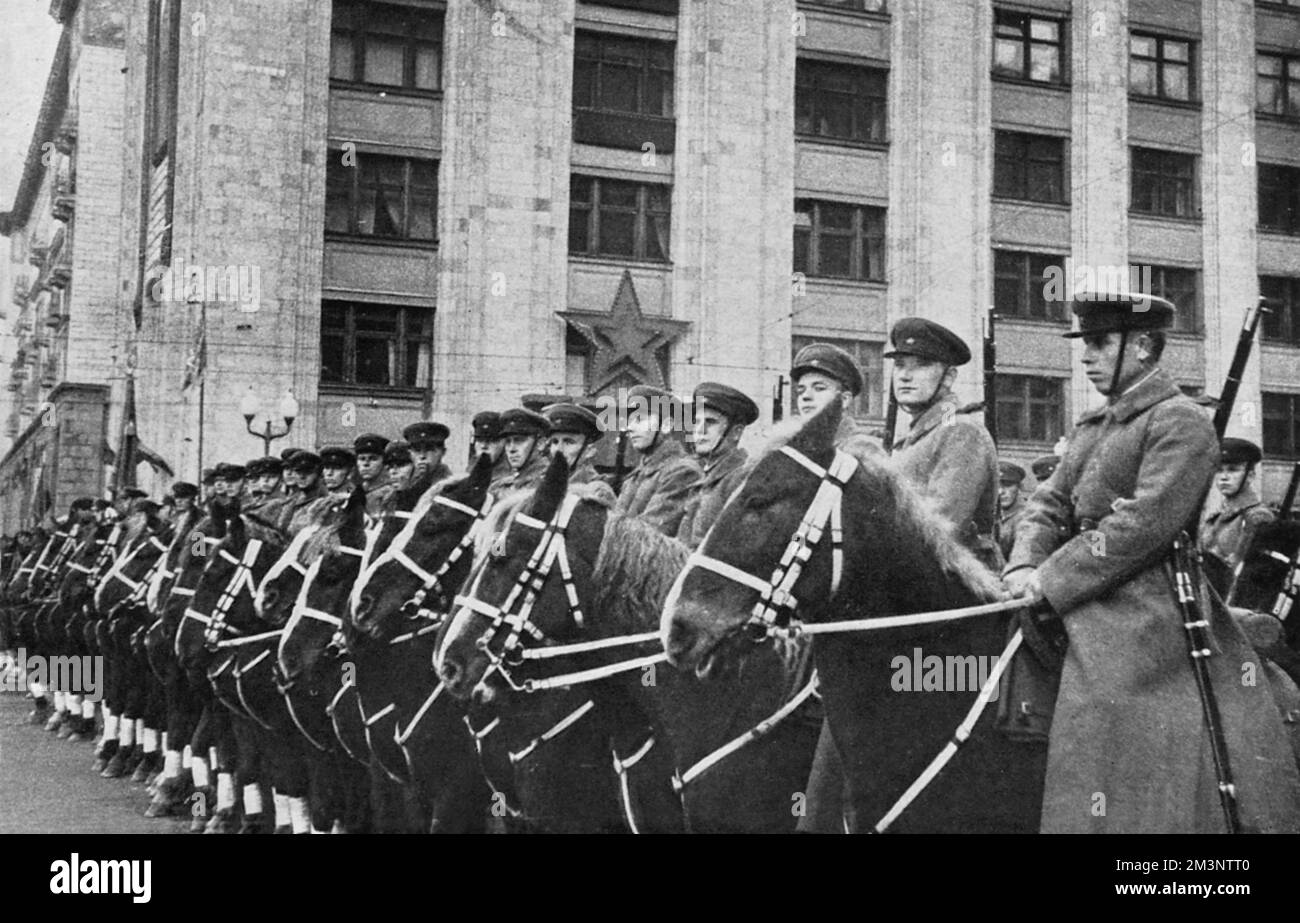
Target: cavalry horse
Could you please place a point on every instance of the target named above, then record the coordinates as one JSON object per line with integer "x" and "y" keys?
{"x": 850, "y": 540}
{"x": 563, "y": 586}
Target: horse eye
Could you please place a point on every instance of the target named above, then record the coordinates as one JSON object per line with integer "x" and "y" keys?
{"x": 758, "y": 502}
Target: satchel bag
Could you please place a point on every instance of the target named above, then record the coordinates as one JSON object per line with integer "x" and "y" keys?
{"x": 1028, "y": 688}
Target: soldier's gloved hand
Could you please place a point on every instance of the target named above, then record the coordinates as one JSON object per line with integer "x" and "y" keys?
{"x": 1023, "y": 583}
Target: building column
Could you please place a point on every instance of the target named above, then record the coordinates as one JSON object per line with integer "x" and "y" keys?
{"x": 1229, "y": 191}
{"x": 503, "y": 207}
{"x": 733, "y": 194}
{"x": 1099, "y": 155}
{"x": 941, "y": 170}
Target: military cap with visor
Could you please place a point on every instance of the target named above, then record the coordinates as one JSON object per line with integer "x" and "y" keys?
{"x": 337, "y": 456}
{"x": 184, "y": 489}
{"x": 923, "y": 338}
{"x": 570, "y": 418}
{"x": 229, "y": 472}
{"x": 1116, "y": 312}
{"x": 486, "y": 425}
{"x": 1044, "y": 465}
{"x": 304, "y": 461}
{"x": 426, "y": 435}
{"x": 828, "y": 360}
{"x": 1010, "y": 473}
{"x": 520, "y": 422}
{"x": 260, "y": 467}
{"x": 539, "y": 401}
{"x": 1234, "y": 451}
{"x": 369, "y": 444}
{"x": 397, "y": 453}
{"x": 733, "y": 404}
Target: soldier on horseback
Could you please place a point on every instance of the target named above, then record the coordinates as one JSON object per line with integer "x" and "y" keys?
{"x": 574, "y": 433}
{"x": 1011, "y": 504}
{"x": 721, "y": 415}
{"x": 523, "y": 432}
{"x": 1225, "y": 534}
{"x": 657, "y": 489}
{"x": 428, "y": 442}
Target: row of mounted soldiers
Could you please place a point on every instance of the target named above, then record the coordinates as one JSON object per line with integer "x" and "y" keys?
{"x": 950, "y": 460}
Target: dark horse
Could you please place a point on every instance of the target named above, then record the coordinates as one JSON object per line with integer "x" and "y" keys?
{"x": 661, "y": 723}
{"x": 898, "y": 557}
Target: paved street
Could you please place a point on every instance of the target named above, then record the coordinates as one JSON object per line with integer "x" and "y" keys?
{"x": 46, "y": 784}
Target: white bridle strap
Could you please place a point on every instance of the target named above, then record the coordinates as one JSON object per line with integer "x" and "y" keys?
{"x": 560, "y": 727}
{"x": 583, "y": 647}
{"x": 723, "y": 569}
{"x": 593, "y": 675}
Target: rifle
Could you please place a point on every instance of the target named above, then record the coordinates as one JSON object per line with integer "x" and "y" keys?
{"x": 991, "y": 374}
{"x": 620, "y": 461}
{"x": 1185, "y": 560}
{"x": 891, "y": 418}
{"x": 1288, "y": 499}
{"x": 1245, "y": 341}
{"x": 778, "y": 400}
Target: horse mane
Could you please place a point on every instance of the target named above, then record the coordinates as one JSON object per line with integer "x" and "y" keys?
{"x": 634, "y": 571}
{"x": 934, "y": 532}
{"x": 132, "y": 528}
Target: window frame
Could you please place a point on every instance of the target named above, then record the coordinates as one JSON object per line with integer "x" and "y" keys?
{"x": 1054, "y": 311}
{"x": 1291, "y": 450}
{"x": 1288, "y": 85}
{"x": 412, "y": 45}
{"x": 864, "y": 241}
{"x": 1019, "y": 430}
{"x": 641, "y": 231}
{"x": 1287, "y": 317}
{"x": 407, "y": 316}
{"x": 1027, "y": 43}
{"x": 1162, "y": 175}
{"x": 644, "y": 72}
{"x": 1023, "y": 164}
{"x": 1160, "y": 62}
{"x": 355, "y": 198}
{"x": 1161, "y": 289}
{"x": 810, "y": 71}
{"x": 1286, "y": 187}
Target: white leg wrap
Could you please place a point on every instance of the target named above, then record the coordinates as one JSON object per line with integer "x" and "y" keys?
{"x": 171, "y": 764}
{"x": 225, "y": 790}
{"x": 281, "y": 810}
{"x": 36, "y": 689}
{"x": 300, "y": 815}
{"x": 252, "y": 800}
{"x": 139, "y": 729}
{"x": 60, "y": 702}
{"x": 202, "y": 778}
{"x": 126, "y": 736}
{"x": 110, "y": 726}
{"x": 187, "y": 757}
{"x": 88, "y": 710}
{"x": 150, "y": 740}
{"x": 338, "y": 827}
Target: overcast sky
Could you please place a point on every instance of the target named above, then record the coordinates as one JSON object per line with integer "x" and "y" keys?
{"x": 28, "y": 37}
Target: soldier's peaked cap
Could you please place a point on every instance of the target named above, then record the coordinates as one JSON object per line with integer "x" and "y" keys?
{"x": 538, "y": 401}
{"x": 1010, "y": 473}
{"x": 426, "y": 435}
{"x": 260, "y": 467}
{"x": 570, "y": 418}
{"x": 651, "y": 398}
{"x": 397, "y": 453}
{"x": 1044, "y": 465}
{"x": 828, "y": 360}
{"x": 228, "y": 472}
{"x": 1234, "y": 451}
{"x": 209, "y": 476}
{"x": 486, "y": 425}
{"x": 369, "y": 444}
{"x": 303, "y": 460}
{"x": 184, "y": 489}
{"x": 518, "y": 421}
{"x": 134, "y": 493}
{"x": 1113, "y": 312}
{"x": 337, "y": 456}
{"x": 735, "y": 405}
{"x": 919, "y": 336}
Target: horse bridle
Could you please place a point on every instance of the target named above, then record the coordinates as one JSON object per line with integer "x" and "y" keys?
{"x": 776, "y": 601}
{"x": 514, "y": 615}
{"x": 242, "y": 578}
{"x": 431, "y": 582}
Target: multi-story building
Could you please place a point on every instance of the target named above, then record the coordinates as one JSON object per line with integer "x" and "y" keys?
{"x": 58, "y": 405}
{"x": 416, "y": 209}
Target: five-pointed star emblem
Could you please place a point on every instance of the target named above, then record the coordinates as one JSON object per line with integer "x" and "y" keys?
{"x": 625, "y": 342}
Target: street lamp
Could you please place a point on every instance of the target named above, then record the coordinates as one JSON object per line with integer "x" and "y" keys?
{"x": 250, "y": 406}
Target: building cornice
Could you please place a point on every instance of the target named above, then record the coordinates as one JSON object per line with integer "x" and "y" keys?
{"x": 53, "y": 105}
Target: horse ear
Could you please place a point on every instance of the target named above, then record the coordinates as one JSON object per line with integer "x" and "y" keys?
{"x": 818, "y": 434}
{"x": 550, "y": 492}
{"x": 481, "y": 474}
{"x": 356, "y": 499}
{"x": 354, "y": 511}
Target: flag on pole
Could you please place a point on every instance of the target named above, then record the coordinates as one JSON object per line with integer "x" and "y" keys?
{"x": 197, "y": 359}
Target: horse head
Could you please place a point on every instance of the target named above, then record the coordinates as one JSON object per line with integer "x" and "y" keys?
{"x": 536, "y": 557}
{"x": 426, "y": 562}
{"x": 726, "y": 580}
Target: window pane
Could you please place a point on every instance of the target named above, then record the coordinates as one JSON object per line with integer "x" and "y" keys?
{"x": 422, "y": 222}
{"x": 341, "y": 57}
{"x": 802, "y": 238}
{"x": 1268, "y": 64}
{"x": 376, "y": 361}
{"x": 618, "y": 91}
{"x": 1009, "y": 57}
{"x": 332, "y": 353}
{"x": 1044, "y": 63}
{"x": 428, "y": 68}
{"x": 1045, "y": 29}
{"x": 338, "y": 185}
{"x": 376, "y": 320}
{"x": 835, "y": 256}
{"x": 384, "y": 61}
{"x": 1268, "y": 95}
{"x": 617, "y": 233}
{"x": 839, "y": 217}
{"x": 1177, "y": 83}
{"x": 1142, "y": 77}
{"x": 1142, "y": 45}
{"x": 616, "y": 193}
{"x": 1176, "y": 51}
{"x": 579, "y": 232}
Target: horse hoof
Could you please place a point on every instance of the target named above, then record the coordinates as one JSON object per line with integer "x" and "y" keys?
{"x": 223, "y": 821}
{"x": 38, "y": 715}
{"x": 55, "y": 721}
{"x": 117, "y": 766}
{"x": 106, "y": 751}
{"x": 254, "y": 823}
{"x": 283, "y": 829}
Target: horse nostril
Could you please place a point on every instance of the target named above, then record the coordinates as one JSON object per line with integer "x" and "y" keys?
{"x": 450, "y": 672}
{"x": 270, "y": 596}
{"x": 364, "y": 606}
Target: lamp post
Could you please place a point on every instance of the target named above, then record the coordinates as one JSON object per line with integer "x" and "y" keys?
{"x": 250, "y": 406}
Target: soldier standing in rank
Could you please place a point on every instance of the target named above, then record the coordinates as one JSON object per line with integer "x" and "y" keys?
{"x": 487, "y": 440}
{"x": 1226, "y": 533}
{"x": 524, "y": 433}
{"x": 950, "y": 458}
{"x": 574, "y": 433}
{"x": 1129, "y": 747}
{"x": 1011, "y": 504}
{"x": 399, "y": 464}
{"x": 721, "y": 415}
{"x": 428, "y": 442}
{"x": 656, "y": 490}
{"x": 337, "y": 467}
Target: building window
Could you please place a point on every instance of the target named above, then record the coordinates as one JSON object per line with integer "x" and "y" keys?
{"x": 1282, "y": 425}
{"x": 613, "y": 73}
{"x": 1180, "y": 286}
{"x": 1160, "y": 67}
{"x": 1020, "y": 285}
{"x": 1279, "y": 198}
{"x": 389, "y": 46}
{"x": 1163, "y": 183}
{"x": 164, "y": 44}
{"x": 1030, "y": 408}
{"x": 1027, "y": 47}
{"x": 650, "y": 6}
{"x": 1277, "y": 85}
{"x": 1282, "y": 323}
{"x": 610, "y": 217}
{"x": 394, "y": 198}
{"x": 869, "y": 358}
{"x": 372, "y": 344}
{"x": 857, "y": 6}
{"x": 1030, "y": 167}
{"x": 842, "y": 102}
{"x": 833, "y": 240}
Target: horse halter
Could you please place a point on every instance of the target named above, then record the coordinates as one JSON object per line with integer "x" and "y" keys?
{"x": 776, "y": 601}
{"x": 242, "y": 578}
{"x": 514, "y": 614}
{"x": 432, "y": 582}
